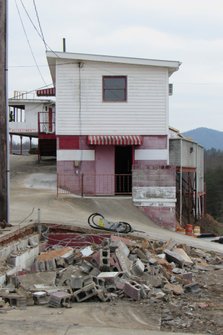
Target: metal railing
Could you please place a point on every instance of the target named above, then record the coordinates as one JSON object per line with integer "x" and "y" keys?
{"x": 46, "y": 122}
{"x": 98, "y": 184}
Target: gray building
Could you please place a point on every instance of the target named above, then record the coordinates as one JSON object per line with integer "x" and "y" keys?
{"x": 188, "y": 157}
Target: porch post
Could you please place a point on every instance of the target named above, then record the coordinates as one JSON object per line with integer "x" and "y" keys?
{"x": 20, "y": 145}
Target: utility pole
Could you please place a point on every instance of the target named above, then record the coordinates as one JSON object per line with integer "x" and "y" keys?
{"x": 4, "y": 162}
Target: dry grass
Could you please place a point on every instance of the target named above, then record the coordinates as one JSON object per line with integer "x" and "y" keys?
{"x": 209, "y": 225}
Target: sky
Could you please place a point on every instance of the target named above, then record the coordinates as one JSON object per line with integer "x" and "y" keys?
{"x": 188, "y": 31}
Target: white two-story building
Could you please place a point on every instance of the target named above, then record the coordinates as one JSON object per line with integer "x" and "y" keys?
{"x": 32, "y": 116}
{"x": 112, "y": 118}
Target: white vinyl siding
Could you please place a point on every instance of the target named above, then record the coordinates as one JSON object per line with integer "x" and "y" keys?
{"x": 80, "y": 106}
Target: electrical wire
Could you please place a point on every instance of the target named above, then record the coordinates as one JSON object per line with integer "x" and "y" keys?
{"x": 34, "y": 26}
{"x": 40, "y": 27}
{"x": 30, "y": 47}
{"x": 97, "y": 221}
{"x": 26, "y": 217}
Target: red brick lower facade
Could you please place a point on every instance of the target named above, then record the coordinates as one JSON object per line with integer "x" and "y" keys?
{"x": 85, "y": 169}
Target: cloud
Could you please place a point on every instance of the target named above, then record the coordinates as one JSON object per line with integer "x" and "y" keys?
{"x": 189, "y": 31}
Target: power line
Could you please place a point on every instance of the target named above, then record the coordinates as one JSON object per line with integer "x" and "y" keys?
{"x": 29, "y": 17}
{"x": 30, "y": 47}
{"x": 38, "y": 19}
{"x": 34, "y": 26}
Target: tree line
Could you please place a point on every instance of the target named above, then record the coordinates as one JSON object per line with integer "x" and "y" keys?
{"x": 213, "y": 163}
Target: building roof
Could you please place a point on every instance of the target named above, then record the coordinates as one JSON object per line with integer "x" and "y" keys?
{"x": 52, "y": 56}
{"x": 14, "y": 101}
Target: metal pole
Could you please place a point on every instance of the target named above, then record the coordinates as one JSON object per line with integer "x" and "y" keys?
{"x": 4, "y": 140}
{"x": 181, "y": 183}
{"x": 64, "y": 44}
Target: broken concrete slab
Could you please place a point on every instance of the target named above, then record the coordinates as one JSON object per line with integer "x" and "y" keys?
{"x": 30, "y": 281}
{"x": 178, "y": 256}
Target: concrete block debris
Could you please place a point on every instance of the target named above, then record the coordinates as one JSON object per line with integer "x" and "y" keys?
{"x": 40, "y": 298}
{"x": 15, "y": 300}
{"x": 85, "y": 293}
{"x": 47, "y": 260}
{"x": 60, "y": 299}
{"x": 115, "y": 268}
{"x": 133, "y": 290}
{"x": 104, "y": 263}
{"x": 178, "y": 256}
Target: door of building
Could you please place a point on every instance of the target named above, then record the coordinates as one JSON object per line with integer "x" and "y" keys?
{"x": 123, "y": 169}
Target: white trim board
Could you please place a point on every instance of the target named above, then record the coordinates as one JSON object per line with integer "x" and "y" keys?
{"x": 75, "y": 155}
{"x": 151, "y": 154}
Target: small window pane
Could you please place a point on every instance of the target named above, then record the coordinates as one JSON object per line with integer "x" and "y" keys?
{"x": 114, "y": 95}
{"x": 114, "y": 88}
{"x": 115, "y": 83}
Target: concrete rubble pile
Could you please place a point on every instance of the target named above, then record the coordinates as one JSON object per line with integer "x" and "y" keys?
{"x": 117, "y": 268}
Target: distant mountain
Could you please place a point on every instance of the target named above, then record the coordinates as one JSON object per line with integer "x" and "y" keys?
{"x": 208, "y": 138}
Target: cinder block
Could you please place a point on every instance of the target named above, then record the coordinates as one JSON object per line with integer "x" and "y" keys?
{"x": 40, "y": 298}
{"x": 104, "y": 259}
{"x": 145, "y": 289}
{"x": 94, "y": 272}
{"x": 15, "y": 299}
{"x": 121, "y": 245}
{"x": 86, "y": 267}
{"x": 60, "y": 262}
{"x": 68, "y": 257}
{"x": 41, "y": 266}
{"x": 133, "y": 290}
{"x": 50, "y": 265}
{"x": 108, "y": 277}
{"x": 123, "y": 261}
{"x": 114, "y": 263}
{"x": 99, "y": 282}
{"x": 102, "y": 295}
{"x": 138, "y": 267}
{"x": 60, "y": 299}
{"x": 85, "y": 293}
{"x": 78, "y": 281}
{"x": 94, "y": 259}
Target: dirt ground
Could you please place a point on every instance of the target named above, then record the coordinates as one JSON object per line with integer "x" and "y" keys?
{"x": 33, "y": 186}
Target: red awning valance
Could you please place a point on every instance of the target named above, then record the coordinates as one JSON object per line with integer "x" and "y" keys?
{"x": 46, "y": 92}
{"x": 114, "y": 140}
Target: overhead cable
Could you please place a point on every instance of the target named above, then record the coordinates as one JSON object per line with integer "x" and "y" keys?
{"x": 40, "y": 27}
{"x": 34, "y": 26}
{"x": 30, "y": 47}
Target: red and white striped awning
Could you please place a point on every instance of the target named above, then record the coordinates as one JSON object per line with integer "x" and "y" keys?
{"x": 114, "y": 140}
{"x": 46, "y": 92}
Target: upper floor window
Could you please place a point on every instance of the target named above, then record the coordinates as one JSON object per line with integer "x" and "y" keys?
{"x": 114, "y": 88}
